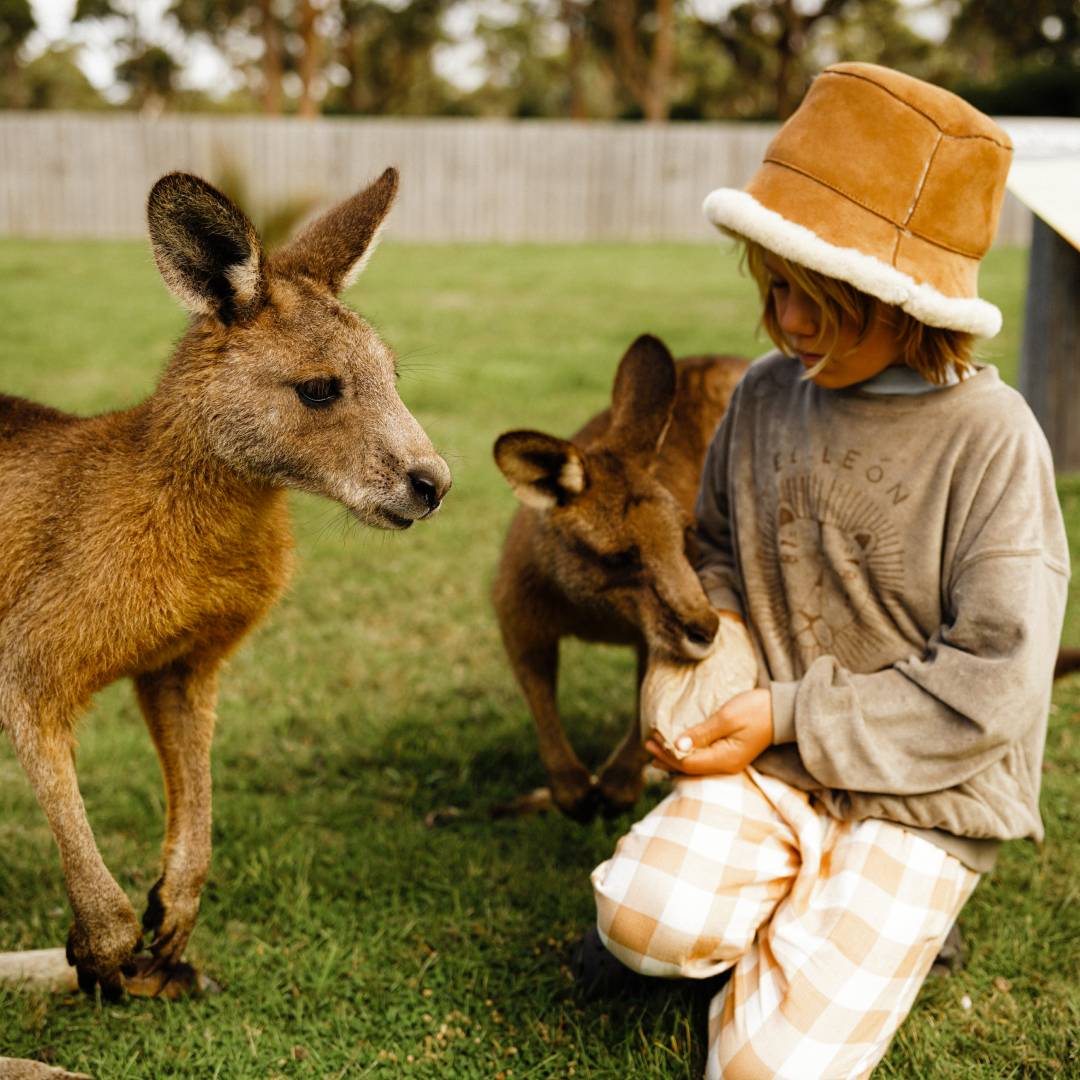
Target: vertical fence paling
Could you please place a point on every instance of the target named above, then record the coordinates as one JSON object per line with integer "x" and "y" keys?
{"x": 72, "y": 175}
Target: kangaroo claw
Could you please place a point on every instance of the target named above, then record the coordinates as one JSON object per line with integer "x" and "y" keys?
{"x": 150, "y": 978}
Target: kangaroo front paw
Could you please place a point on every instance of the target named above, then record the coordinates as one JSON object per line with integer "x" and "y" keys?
{"x": 619, "y": 789}
{"x": 149, "y": 978}
{"x": 170, "y": 918}
{"x": 102, "y": 946}
{"x": 576, "y": 795}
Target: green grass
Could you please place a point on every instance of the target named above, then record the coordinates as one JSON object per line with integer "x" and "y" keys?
{"x": 353, "y": 939}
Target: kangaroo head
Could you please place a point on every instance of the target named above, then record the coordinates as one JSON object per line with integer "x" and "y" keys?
{"x": 280, "y": 380}
{"x": 614, "y": 534}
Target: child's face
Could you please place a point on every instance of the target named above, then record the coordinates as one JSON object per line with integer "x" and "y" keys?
{"x": 799, "y": 319}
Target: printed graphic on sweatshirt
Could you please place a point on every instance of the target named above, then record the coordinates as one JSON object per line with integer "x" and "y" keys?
{"x": 832, "y": 554}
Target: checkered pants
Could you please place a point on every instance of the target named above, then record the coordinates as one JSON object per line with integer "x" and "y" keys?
{"x": 830, "y": 926}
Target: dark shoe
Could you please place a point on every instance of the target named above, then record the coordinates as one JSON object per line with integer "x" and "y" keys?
{"x": 950, "y": 956}
{"x": 597, "y": 973}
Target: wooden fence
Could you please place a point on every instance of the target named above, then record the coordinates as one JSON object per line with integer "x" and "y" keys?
{"x": 87, "y": 175}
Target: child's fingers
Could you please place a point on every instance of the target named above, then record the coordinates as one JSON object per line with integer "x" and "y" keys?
{"x": 721, "y": 757}
{"x": 661, "y": 758}
{"x": 706, "y": 733}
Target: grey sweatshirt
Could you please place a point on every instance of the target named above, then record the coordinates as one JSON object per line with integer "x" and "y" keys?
{"x": 902, "y": 563}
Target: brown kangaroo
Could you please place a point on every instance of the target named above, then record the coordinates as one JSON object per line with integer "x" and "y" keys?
{"x": 146, "y": 543}
{"x": 599, "y": 549}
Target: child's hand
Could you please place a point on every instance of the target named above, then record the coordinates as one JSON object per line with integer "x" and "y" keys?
{"x": 728, "y": 741}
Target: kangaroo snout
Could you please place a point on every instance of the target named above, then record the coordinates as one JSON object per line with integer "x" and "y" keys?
{"x": 406, "y": 493}
{"x": 430, "y": 482}
{"x": 699, "y": 634}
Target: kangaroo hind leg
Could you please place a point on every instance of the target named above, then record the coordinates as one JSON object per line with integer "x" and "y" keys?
{"x": 105, "y": 933}
{"x": 178, "y": 703}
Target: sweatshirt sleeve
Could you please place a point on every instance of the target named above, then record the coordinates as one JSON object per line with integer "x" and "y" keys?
{"x": 931, "y": 722}
{"x": 715, "y": 557}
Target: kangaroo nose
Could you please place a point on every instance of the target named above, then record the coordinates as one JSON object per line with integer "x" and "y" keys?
{"x": 430, "y": 484}
{"x": 425, "y": 488}
{"x": 700, "y": 633}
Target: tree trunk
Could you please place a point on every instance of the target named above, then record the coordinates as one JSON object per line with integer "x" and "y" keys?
{"x": 347, "y": 59}
{"x": 309, "y": 60}
{"x": 662, "y": 63}
{"x": 786, "y": 45}
{"x": 646, "y": 76}
{"x": 271, "y": 59}
{"x": 574, "y": 19}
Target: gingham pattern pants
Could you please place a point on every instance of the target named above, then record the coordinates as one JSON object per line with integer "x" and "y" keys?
{"x": 830, "y": 926}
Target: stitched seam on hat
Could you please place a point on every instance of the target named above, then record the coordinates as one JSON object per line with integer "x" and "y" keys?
{"x": 916, "y": 109}
{"x": 870, "y": 209}
{"x": 922, "y": 179}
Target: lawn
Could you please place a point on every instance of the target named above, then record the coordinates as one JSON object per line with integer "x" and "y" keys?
{"x": 352, "y": 938}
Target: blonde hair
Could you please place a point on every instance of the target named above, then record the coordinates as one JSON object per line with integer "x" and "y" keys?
{"x": 930, "y": 350}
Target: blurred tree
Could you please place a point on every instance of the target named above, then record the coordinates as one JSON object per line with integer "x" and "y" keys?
{"x": 775, "y": 47}
{"x": 572, "y": 15}
{"x": 149, "y": 73}
{"x": 769, "y": 43}
{"x": 16, "y": 25}
{"x": 54, "y": 80}
{"x": 267, "y": 42}
{"x": 637, "y": 38}
{"x": 147, "y": 70}
{"x": 232, "y": 26}
{"x": 601, "y": 58}
{"x": 387, "y": 58}
{"x": 1010, "y": 58}
{"x": 537, "y": 58}
{"x": 532, "y": 65}
{"x": 992, "y": 35}
{"x": 874, "y": 31}
{"x": 309, "y": 60}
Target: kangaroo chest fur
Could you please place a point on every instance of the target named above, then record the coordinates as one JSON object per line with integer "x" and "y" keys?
{"x": 112, "y": 565}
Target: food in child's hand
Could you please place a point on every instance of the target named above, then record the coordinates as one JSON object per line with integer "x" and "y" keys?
{"x": 678, "y": 694}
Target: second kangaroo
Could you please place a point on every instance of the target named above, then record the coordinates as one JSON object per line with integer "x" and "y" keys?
{"x": 146, "y": 543}
{"x": 599, "y": 549}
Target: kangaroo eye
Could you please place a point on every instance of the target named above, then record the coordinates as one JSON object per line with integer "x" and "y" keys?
{"x": 628, "y": 560}
{"x": 318, "y": 393}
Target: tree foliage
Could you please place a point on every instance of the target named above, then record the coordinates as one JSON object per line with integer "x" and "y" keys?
{"x": 387, "y": 57}
{"x": 653, "y": 59}
{"x": 54, "y": 80}
{"x": 16, "y": 25}
{"x": 1016, "y": 58}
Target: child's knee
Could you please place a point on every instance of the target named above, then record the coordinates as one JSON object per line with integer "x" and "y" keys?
{"x": 647, "y": 921}
{"x": 627, "y": 911}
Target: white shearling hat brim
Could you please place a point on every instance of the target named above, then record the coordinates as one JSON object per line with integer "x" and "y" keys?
{"x": 739, "y": 212}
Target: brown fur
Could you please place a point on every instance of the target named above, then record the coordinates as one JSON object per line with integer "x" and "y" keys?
{"x": 146, "y": 543}
{"x": 1068, "y": 661}
{"x": 599, "y": 552}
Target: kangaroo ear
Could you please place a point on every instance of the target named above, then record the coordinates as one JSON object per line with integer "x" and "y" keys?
{"x": 643, "y": 397}
{"x": 334, "y": 248}
{"x": 206, "y": 249}
{"x": 544, "y": 471}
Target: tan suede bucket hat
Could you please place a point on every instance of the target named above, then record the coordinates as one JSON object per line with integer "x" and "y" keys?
{"x": 886, "y": 182}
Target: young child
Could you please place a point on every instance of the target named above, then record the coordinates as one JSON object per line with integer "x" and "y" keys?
{"x": 881, "y": 510}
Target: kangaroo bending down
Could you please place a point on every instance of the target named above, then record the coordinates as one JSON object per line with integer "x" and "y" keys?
{"x": 147, "y": 543}
{"x": 599, "y": 549}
